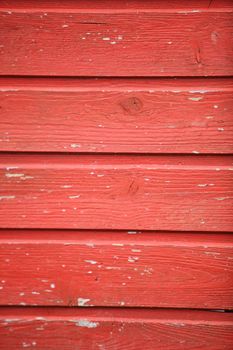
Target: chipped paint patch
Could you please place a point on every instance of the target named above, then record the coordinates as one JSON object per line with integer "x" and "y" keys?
{"x": 13, "y": 175}
{"x": 82, "y": 301}
{"x": 93, "y": 262}
{"x": 7, "y": 197}
{"x": 21, "y": 176}
{"x": 87, "y": 324}
{"x": 75, "y": 145}
{"x": 132, "y": 258}
{"x": 195, "y": 98}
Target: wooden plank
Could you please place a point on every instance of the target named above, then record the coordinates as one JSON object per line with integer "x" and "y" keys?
{"x": 111, "y": 115}
{"x": 117, "y": 192}
{"x": 91, "y": 39}
{"x": 116, "y": 269}
{"x": 118, "y": 5}
{"x": 85, "y": 329}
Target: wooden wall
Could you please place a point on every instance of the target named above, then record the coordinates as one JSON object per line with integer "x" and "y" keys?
{"x": 116, "y": 196}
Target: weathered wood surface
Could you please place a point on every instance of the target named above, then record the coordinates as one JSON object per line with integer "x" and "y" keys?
{"x": 111, "y": 115}
{"x": 86, "y": 329}
{"x": 38, "y": 38}
{"x": 190, "y": 193}
{"x": 86, "y": 268}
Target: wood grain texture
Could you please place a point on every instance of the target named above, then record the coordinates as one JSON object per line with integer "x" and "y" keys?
{"x": 111, "y": 115}
{"x": 118, "y": 5}
{"x": 116, "y": 192}
{"x": 117, "y": 40}
{"x": 116, "y": 269}
{"x": 86, "y": 329}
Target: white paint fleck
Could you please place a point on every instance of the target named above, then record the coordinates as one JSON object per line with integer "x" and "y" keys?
{"x": 195, "y": 98}
{"x": 26, "y": 177}
{"x": 82, "y": 301}
{"x": 52, "y": 285}
{"x": 87, "y": 324}
{"x": 11, "y": 167}
{"x": 7, "y": 197}
{"x": 195, "y": 152}
{"x": 65, "y": 26}
{"x": 198, "y": 91}
{"x": 220, "y": 129}
{"x": 75, "y": 145}
{"x": 73, "y": 197}
{"x": 132, "y": 258}
{"x": 215, "y": 106}
{"x": 13, "y": 175}
{"x": 26, "y": 345}
{"x": 106, "y": 38}
{"x": 93, "y": 262}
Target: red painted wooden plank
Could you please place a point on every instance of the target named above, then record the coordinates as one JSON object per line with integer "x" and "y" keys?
{"x": 86, "y": 329}
{"x": 116, "y": 269}
{"x": 111, "y": 115}
{"x": 117, "y": 192}
{"x": 118, "y": 5}
{"x": 151, "y": 40}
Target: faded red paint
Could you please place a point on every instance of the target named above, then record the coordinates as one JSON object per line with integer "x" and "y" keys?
{"x": 144, "y": 87}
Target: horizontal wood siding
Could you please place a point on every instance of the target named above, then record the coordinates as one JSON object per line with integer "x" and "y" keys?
{"x": 112, "y": 115}
{"x": 68, "y": 329}
{"x": 116, "y": 269}
{"x": 139, "y": 41}
{"x": 117, "y": 192}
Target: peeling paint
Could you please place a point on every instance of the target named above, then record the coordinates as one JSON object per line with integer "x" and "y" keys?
{"x": 82, "y": 301}
{"x": 93, "y": 262}
{"x": 87, "y": 324}
{"x": 7, "y": 197}
{"x": 195, "y": 98}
